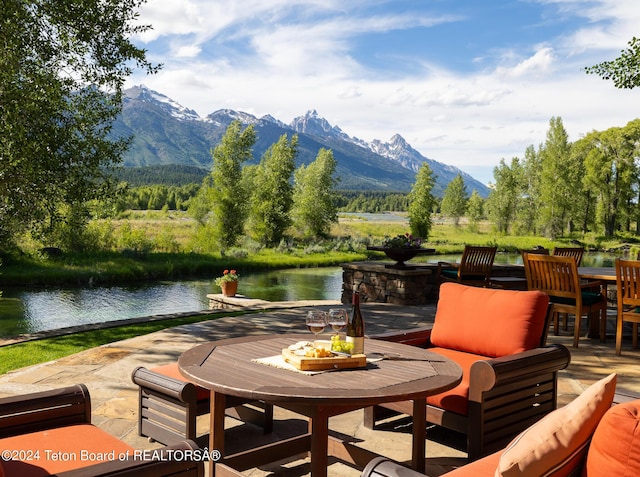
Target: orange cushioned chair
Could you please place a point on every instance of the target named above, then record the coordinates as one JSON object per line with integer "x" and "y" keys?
{"x": 50, "y": 433}
{"x": 168, "y": 405}
{"x": 588, "y": 437}
{"x": 509, "y": 377}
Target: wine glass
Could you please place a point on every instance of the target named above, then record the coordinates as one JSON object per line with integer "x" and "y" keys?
{"x": 316, "y": 321}
{"x": 337, "y": 319}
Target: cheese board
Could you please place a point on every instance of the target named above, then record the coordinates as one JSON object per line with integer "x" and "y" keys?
{"x": 305, "y": 363}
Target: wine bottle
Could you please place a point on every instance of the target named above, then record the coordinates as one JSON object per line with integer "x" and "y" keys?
{"x": 355, "y": 327}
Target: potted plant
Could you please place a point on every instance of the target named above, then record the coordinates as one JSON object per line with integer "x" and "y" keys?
{"x": 228, "y": 282}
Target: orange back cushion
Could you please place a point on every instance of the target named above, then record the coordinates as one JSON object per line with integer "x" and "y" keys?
{"x": 615, "y": 447}
{"x": 556, "y": 443}
{"x": 487, "y": 321}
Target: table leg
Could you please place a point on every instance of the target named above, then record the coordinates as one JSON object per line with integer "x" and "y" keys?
{"x": 319, "y": 429}
{"x": 419, "y": 434}
{"x": 216, "y": 427}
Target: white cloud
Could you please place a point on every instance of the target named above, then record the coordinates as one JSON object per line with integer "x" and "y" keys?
{"x": 298, "y": 56}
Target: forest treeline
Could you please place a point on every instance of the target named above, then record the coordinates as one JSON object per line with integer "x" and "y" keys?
{"x": 178, "y": 197}
{"x": 558, "y": 188}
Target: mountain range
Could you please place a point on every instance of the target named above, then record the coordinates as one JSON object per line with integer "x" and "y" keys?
{"x": 165, "y": 132}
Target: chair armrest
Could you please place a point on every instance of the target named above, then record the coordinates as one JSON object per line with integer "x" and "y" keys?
{"x": 183, "y": 458}
{"x": 181, "y": 390}
{"x": 383, "y": 467}
{"x": 420, "y": 336}
{"x": 44, "y": 410}
{"x": 489, "y": 374}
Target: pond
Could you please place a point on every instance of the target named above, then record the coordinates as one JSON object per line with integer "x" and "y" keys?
{"x": 33, "y": 310}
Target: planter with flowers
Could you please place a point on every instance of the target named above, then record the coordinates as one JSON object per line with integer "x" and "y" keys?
{"x": 228, "y": 282}
{"x": 402, "y": 248}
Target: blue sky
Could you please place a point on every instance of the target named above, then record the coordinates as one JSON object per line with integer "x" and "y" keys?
{"x": 465, "y": 82}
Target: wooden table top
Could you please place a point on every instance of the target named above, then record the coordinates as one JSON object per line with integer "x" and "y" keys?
{"x": 606, "y": 274}
{"x": 226, "y": 367}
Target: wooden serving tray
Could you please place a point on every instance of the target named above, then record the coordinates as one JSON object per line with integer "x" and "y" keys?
{"x": 304, "y": 363}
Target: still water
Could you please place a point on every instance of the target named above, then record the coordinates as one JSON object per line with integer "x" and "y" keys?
{"x": 33, "y": 310}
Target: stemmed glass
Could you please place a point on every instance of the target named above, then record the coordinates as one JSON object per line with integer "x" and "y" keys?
{"x": 316, "y": 321}
{"x": 337, "y": 319}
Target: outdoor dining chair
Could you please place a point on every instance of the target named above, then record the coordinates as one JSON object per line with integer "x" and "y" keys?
{"x": 575, "y": 252}
{"x": 628, "y": 294}
{"x": 474, "y": 268}
{"x": 558, "y": 277}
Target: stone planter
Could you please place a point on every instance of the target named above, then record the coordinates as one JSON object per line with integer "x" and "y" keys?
{"x": 229, "y": 288}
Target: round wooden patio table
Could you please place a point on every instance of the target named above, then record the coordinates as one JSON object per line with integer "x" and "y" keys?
{"x": 227, "y": 368}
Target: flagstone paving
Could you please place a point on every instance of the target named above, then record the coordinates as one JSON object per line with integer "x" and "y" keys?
{"x": 106, "y": 371}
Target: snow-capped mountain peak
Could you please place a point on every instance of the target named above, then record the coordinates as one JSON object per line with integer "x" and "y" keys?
{"x": 142, "y": 93}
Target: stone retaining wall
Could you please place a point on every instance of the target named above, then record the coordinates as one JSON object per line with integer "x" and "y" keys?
{"x": 416, "y": 285}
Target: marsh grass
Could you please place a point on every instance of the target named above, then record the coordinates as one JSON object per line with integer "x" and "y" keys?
{"x": 151, "y": 245}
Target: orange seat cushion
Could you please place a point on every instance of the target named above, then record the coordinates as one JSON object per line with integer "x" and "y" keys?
{"x": 61, "y": 449}
{"x": 456, "y": 399}
{"x": 488, "y": 322}
{"x": 172, "y": 371}
{"x": 557, "y": 443}
{"x": 615, "y": 447}
{"x": 478, "y": 468}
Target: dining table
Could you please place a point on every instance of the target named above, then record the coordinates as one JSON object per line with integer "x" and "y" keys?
{"x": 604, "y": 274}
{"x": 393, "y": 372}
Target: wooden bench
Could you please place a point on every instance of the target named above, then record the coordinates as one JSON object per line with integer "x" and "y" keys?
{"x": 50, "y": 433}
{"x": 168, "y": 405}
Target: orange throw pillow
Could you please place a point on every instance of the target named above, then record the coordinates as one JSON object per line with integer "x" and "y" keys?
{"x": 555, "y": 444}
{"x": 488, "y": 322}
{"x": 615, "y": 447}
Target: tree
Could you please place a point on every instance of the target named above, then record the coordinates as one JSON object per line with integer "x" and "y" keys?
{"x": 421, "y": 202}
{"x": 221, "y": 205}
{"x": 624, "y": 70}
{"x": 454, "y": 200}
{"x": 503, "y": 199}
{"x": 272, "y": 192}
{"x": 475, "y": 209}
{"x": 611, "y": 172}
{"x": 558, "y": 180}
{"x": 314, "y": 197}
{"x": 62, "y": 70}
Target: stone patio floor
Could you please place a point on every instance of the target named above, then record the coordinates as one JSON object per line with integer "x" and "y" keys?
{"x": 106, "y": 371}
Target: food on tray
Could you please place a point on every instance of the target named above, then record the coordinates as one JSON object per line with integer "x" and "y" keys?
{"x": 318, "y": 353}
{"x": 308, "y": 350}
{"x": 340, "y": 345}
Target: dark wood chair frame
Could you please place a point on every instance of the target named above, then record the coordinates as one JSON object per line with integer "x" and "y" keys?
{"x": 168, "y": 408}
{"x": 71, "y": 405}
{"x": 474, "y": 268}
{"x": 575, "y": 252}
{"x": 506, "y": 394}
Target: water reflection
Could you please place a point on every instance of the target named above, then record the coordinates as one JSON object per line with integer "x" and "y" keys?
{"x": 29, "y": 310}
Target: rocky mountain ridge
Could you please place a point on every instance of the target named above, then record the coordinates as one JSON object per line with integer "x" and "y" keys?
{"x": 165, "y": 132}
